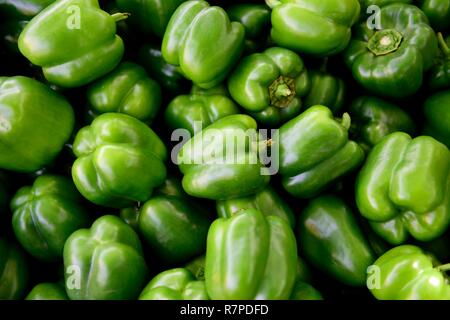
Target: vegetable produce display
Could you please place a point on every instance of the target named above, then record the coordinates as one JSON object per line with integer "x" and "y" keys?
{"x": 225, "y": 150}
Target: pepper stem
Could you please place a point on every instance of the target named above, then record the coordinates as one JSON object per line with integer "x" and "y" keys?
{"x": 444, "y": 267}
{"x": 120, "y": 16}
{"x": 346, "y": 121}
{"x": 443, "y": 44}
{"x": 282, "y": 92}
{"x": 384, "y": 42}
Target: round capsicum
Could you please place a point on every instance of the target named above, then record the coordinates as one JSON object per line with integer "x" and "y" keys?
{"x": 390, "y": 61}
{"x": 314, "y": 151}
{"x": 119, "y": 161}
{"x": 35, "y": 123}
{"x": 404, "y": 188}
{"x": 439, "y": 77}
{"x": 437, "y": 116}
{"x": 175, "y": 284}
{"x": 46, "y": 214}
{"x": 270, "y": 85}
{"x": 204, "y": 57}
{"x": 330, "y": 238}
{"x": 250, "y": 256}
{"x": 127, "y": 89}
{"x": 408, "y": 273}
{"x": 438, "y": 12}
{"x": 14, "y": 271}
{"x": 47, "y": 291}
{"x": 74, "y": 42}
{"x": 320, "y": 28}
{"x": 104, "y": 262}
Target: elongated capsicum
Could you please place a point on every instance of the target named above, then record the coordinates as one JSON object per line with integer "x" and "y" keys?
{"x": 437, "y": 116}
{"x": 48, "y": 291}
{"x": 127, "y": 89}
{"x": 404, "y": 188}
{"x": 222, "y": 161}
{"x": 199, "y": 109}
{"x": 160, "y": 12}
{"x": 35, "y": 123}
{"x": 14, "y": 271}
{"x": 186, "y": 44}
{"x": 270, "y": 85}
{"x": 74, "y": 42}
{"x": 314, "y": 151}
{"x": 374, "y": 118}
{"x": 438, "y": 12}
{"x": 175, "y": 284}
{"x": 439, "y": 77}
{"x": 46, "y": 214}
{"x": 120, "y": 161}
{"x": 250, "y": 256}
{"x": 256, "y": 20}
{"x": 104, "y": 262}
{"x": 320, "y": 28}
{"x": 391, "y": 61}
{"x": 407, "y": 273}
{"x": 267, "y": 201}
{"x": 330, "y": 238}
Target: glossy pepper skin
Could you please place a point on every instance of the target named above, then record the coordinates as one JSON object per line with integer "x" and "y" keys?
{"x": 330, "y": 238}
{"x": 391, "y": 61}
{"x": 46, "y": 214}
{"x": 104, "y": 262}
{"x": 404, "y": 188}
{"x": 168, "y": 76}
{"x": 199, "y": 109}
{"x": 408, "y": 273}
{"x": 256, "y": 20}
{"x": 35, "y": 123}
{"x": 374, "y": 118}
{"x": 438, "y": 12}
{"x": 82, "y": 45}
{"x": 437, "y": 116}
{"x": 213, "y": 170}
{"x": 160, "y": 12}
{"x": 267, "y": 201}
{"x": 439, "y": 77}
{"x": 128, "y": 89}
{"x": 23, "y": 9}
{"x": 14, "y": 271}
{"x": 48, "y": 291}
{"x": 315, "y": 151}
{"x": 119, "y": 161}
{"x": 250, "y": 256}
{"x": 175, "y": 284}
{"x": 270, "y": 85}
{"x": 186, "y": 44}
{"x": 319, "y": 28}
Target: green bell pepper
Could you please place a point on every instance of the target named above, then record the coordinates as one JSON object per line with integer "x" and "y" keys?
{"x": 250, "y": 256}
{"x": 104, "y": 262}
{"x": 374, "y": 118}
{"x": 439, "y": 77}
{"x": 305, "y": 291}
{"x": 127, "y": 89}
{"x": 204, "y": 57}
{"x": 381, "y": 3}
{"x": 74, "y": 42}
{"x": 267, "y": 201}
{"x": 407, "y": 273}
{"x": 167, "y": 75}
{"x": 391, "y": 61}
{"x": 438, "y": 12}
{"x": 330, "y": 238}
{"x": 437, "y": 116}
{"x": 315, "y": 151}
{"x": 149, "y": 16}
{"x": 198, "y": 110}
{"x": 319, "y": 28}
{"x": 326, "y": 90}
{"x": 256, "y": 20}
{"x": 48, "y": 291}
{"x": 46, "y": 214}
{"x": 270, "y": 85}
{"x": 119, "y": 161}
{"x": 175, "y": 284}
{"x": 404, "y": 188}
{"x": 24, "y": 103}
{"x": 14, "y": 271}
{"x": 219, "y": 163}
